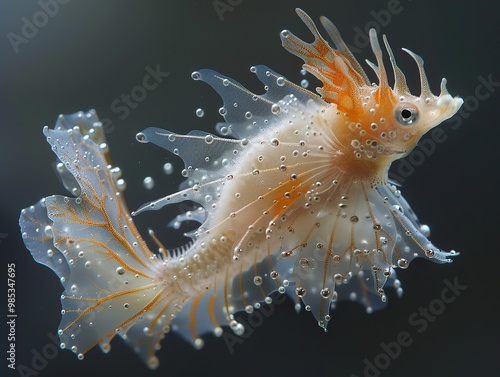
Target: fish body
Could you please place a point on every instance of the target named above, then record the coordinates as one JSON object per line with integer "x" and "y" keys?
{"x": 293, "y": 195}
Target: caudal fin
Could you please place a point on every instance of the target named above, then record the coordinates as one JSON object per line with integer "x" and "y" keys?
{"x": 112, "y": 281}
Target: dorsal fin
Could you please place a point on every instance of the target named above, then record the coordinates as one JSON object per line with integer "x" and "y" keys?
{"x": 339, "y": 71}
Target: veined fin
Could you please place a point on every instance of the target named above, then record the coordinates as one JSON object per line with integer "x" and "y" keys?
{"x": 247, "y": 113}
{"x": 339, "y": 71}
{"x": 207, "y": 160}
{"x": 36, "y": 228}
{"x": 334, "y": 34}
{"x": 112, "y": 281}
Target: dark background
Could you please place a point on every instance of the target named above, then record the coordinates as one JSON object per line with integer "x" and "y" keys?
{"x": 91, "y": 52}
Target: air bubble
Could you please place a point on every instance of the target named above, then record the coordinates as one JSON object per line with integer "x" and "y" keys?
{"x": 199, "y": 343}
{"x": 195, "y": 75}
{"x": 275, "y": 109}
{"x": 398, "y": 208}
{"x": 425, "y": 230}
{"x": 200, "y": 113}
{"x": 300, "y": 291}
{"x": 280, "y": 81}
{"x": 153, "y": 361}
{"x": 304, "y": 262}
{"x": 168, "y": 168}
{"x": 121, "y": 185}
{"x": 403, "y": 263}
{"x": 304, "y": 83}
{"x": 325, "y": 292}
{"x": 209, "y": 139}
{"x": 218, "y": 332}
{"x": 148, "y": 183}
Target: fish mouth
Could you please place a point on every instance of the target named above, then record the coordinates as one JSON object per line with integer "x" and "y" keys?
{"x": 449, "y": 105}
{"x": 398, "y": 152}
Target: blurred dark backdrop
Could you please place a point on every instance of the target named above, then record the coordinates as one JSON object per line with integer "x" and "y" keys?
{"x": 87, "y": 53}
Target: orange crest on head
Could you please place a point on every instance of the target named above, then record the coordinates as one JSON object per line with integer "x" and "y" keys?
{"x": 344, "y": 80}
{"x": 338, "y": 69}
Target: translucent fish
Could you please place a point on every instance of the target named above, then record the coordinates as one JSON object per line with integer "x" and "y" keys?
{"x": 293, "y": 197}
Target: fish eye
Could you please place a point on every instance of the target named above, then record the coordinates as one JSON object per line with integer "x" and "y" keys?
{"x": 406, "y": 114}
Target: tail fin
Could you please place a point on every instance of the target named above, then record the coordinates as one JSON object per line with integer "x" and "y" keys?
{"x": 113, "y": 282}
